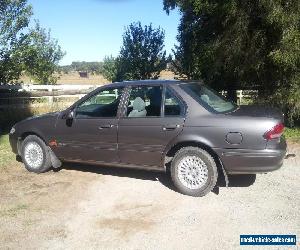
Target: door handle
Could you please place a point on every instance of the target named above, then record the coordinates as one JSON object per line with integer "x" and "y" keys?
{"x": 171, "y": 127}
{"x": 105, "y": 126}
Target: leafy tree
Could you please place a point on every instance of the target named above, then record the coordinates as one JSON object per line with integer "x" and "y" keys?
{"x": 95, "y": 67}
{"x": 110, "y": 68}
{"x": 23, "y": 49}
{"x": 66, "y": 69}
{"x": 243, "y": 44}
{"x": 14, "y": 18}
{"x": 42, "y": 56}
{"x": 142, "y": 55}
{"x": 91, "y": 67}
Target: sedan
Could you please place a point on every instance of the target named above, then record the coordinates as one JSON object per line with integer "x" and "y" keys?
{"x": 180, "y": 127}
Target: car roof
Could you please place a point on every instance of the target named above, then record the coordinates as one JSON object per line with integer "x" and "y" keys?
{"x": 147, "y": 82}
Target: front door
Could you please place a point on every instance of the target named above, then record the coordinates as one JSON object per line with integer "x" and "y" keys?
{"x": 92, "y": 134}
{"x": 147, "y": 126}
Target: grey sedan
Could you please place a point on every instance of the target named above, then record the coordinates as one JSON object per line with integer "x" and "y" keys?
{"x": 184, "y": 127}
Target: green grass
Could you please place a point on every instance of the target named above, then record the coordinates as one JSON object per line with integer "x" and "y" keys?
{"x": 6, "y": 155}
{"x": 292, "y": 133}
{"x": 13, "y": 211}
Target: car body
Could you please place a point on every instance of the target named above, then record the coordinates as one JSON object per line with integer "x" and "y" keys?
{"x": 148, "y": 122}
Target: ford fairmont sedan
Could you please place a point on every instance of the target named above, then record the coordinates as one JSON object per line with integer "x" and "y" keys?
{"x": 156, "y": 125}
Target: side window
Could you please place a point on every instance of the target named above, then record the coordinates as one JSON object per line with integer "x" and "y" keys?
{"x": 172, "y": 105}
{"x": 103, "y": 104}
{"x": 145, "y": 101}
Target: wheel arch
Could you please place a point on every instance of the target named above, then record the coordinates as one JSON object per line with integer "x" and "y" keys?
{"x": 190, "y": 143}
{"x": 171, "y": 151}
{"x": 24, "y": 135}
{"x": 56, "y": 163}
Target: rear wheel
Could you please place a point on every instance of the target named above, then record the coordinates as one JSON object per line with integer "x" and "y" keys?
{"x": 35, "y": 155}
{"x": 194, "y": 171}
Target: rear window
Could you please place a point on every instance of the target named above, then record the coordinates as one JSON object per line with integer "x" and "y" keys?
{"x": 211, "y": 100}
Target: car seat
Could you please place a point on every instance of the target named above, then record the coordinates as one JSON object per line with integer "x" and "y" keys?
{"x": 154, "y": 95}
{"x": 138, "y": 108}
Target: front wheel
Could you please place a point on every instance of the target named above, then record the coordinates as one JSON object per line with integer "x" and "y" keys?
{"x": 194, "y": 171}
{"x": 35, "y": 155}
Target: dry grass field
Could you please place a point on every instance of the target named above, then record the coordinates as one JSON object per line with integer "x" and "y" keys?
{"x": 74, "y": 78}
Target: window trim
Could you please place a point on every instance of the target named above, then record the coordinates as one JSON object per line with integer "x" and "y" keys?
{"x": 182, "y": 104}
{"x": 92, "y": 94}
{"x": 204, "y": 104}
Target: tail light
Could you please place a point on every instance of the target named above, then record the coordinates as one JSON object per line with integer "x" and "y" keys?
{"x": 275, "y": 132}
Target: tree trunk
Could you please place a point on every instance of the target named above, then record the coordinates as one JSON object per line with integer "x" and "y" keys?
{"x": 231, "y": 92}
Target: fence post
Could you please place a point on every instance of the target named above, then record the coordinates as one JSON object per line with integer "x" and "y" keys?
{"x": 240, "y": 96}
{"x": 50, "y": 98}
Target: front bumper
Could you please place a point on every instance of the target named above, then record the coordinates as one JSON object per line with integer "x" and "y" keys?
{"x": 247, "y": 161}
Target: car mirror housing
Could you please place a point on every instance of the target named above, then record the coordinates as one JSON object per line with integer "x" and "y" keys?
{"x": 70, "y": 115}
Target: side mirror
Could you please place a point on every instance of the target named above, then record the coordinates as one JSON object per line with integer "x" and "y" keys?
{"x": 70, "y": 115}
{"x": 70, "y": 118}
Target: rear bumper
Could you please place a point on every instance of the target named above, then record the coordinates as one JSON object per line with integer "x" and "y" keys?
{"x": 246, "y": 161}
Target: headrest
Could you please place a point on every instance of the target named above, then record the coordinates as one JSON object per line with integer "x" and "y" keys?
{"x": 205, "y": 98}
{"x": 138, "y": 104}
{"x": 154, "y": 95}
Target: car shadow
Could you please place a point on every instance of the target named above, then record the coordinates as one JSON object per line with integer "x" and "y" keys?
{"x": 239, "y": 180}
{"x": 113, "y": 171}
{"x": 162, "y": 177}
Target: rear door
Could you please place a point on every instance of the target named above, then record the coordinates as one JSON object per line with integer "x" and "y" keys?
{"x": 145, "y": 132}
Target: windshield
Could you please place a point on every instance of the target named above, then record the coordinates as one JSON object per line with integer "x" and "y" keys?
{"x": 208, "y": 98}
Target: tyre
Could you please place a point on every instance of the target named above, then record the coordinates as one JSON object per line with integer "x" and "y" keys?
{"x": 194, "y": 171}
{"x": 35, "y": 154}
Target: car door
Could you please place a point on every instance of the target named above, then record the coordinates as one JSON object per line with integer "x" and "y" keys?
{"x": 143, "y": 136}
{"x": 92, "y": 134}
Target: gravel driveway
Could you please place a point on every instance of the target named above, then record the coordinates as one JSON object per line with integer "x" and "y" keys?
{"x": 87, "y": 207}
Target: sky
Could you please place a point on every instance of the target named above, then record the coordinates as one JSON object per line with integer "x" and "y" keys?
{"x": 88, "y": 30}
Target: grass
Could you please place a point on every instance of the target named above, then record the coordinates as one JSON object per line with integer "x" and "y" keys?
{"x": 9, "y": 117}
{"x": 13, "y": 211}
{"x": 6, "y": 155}
{"x": 292, "y": 133}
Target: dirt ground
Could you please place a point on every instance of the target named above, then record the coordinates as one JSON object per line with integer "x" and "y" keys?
{"x": 89, "y": 207}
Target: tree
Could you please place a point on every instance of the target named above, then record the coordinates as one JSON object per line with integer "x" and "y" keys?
{"x": 91, "y": 67}
{"x": 42, "y": 56}
{"x": 142, "y": 55}
{"x": 110, "y": 68}
{"x": 23, "y": 49}
{"x": 187, "y": 56}
{"x": 243, "y": 44}
{"x": 14, "y": 18}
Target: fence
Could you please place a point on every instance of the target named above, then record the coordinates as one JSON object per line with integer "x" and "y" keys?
{"x": 243, "y": 96}
{"x": 49, "y": 94}
{"x": 49, "y": 88}
{"x": 38, "y": 95}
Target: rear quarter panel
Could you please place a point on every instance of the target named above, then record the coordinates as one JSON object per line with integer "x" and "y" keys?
{"x": 213, "y": 129}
